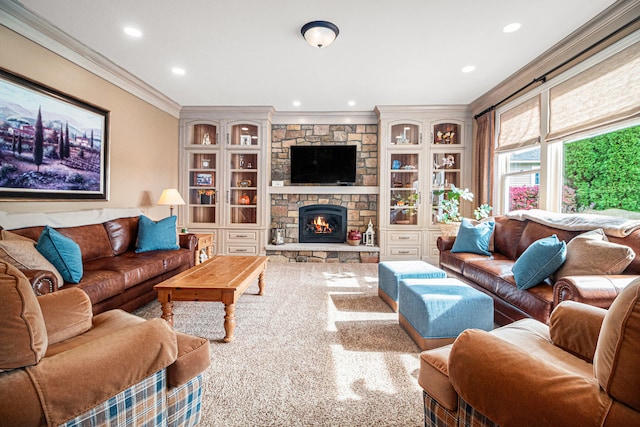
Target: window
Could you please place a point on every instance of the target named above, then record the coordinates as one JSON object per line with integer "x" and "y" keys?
{"x": 521, "y": 179}
{"x": 602, "y": 172}
{"x": 547, "y": 156}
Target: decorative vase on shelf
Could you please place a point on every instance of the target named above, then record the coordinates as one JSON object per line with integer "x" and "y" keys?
{"x": 354, "y": 237}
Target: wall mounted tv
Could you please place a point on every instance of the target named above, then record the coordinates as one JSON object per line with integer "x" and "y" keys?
{"x": 323, "y": 164}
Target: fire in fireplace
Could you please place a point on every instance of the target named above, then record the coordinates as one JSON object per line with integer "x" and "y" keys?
{"x": 322, "y": 224}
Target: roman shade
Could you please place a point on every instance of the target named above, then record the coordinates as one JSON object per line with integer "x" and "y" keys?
{"x": 520, "y": 126}
{"x": 604, "y": 94}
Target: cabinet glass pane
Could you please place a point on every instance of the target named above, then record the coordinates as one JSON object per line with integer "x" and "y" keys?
{"x": 405, "y": 134}
{"x": 446, "y": 171}
{"x": 243, "y": 188}
{"x": 203, "y": 181}
{"x": 244, "y": 135}
{"x": 203, "y": 135}
{"x": 447, "y": 133}
{"x": 404, "y": 191}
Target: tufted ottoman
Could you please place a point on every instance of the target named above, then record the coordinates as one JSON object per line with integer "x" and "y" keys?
{"x": 435, "y": 311}
{"x": 391, "y": 272}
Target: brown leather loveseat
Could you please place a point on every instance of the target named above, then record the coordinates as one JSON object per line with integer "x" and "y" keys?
{"x": 512, "y": 235}
{"x": 114, "y": 275}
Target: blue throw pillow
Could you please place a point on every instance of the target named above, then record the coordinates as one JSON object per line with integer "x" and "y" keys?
{"x": 539, "y": 261}
{"x": 156, "y": 236}
{"x": 473, "y": 239}
{"x": 62, "y": 252}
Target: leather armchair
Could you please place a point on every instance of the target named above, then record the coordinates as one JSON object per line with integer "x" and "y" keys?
{"x": 583, "y": 370}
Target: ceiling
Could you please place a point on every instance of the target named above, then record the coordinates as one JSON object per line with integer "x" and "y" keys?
{"x": 251, "y": 52}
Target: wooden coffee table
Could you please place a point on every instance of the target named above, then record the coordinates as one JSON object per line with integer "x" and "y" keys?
{"x": 221, "y": 278}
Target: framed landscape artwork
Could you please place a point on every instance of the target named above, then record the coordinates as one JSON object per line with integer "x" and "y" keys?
{"x": 52, "y": 146}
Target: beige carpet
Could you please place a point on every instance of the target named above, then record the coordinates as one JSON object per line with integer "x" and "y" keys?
{"x": 318, "y": 349}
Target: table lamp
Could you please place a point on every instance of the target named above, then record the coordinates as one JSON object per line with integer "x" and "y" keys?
{"x": 171, "y": 197}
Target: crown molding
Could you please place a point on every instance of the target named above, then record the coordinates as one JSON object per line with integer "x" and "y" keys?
{"x": 612, "y": 19}
{"x": 325, "y": 117}
{"x": 23, "y": 21}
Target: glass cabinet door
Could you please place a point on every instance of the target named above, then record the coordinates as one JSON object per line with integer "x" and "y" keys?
{"x": 203, "y": 181}
{"x": 242, "y": 195}
{"x": 243, "y": 135}
{"x": 447, "y": 133}
{"x": 203, "y": 134}
{"x": 405, "y": 134}
{"x": 404, "y": 189}
{"x": 447, "y": 170}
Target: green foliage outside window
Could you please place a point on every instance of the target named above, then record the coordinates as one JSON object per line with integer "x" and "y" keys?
{"x": 603, "y": 172}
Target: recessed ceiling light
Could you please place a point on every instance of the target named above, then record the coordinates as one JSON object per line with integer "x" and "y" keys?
{"x": 512, "y": 27}
{"x": 296, "y": 103}
{"x": 179, "y": 71}
{"x": 352, "y": 103}
{"x": 133, "y": 32}
{"x": 468, "y": 69}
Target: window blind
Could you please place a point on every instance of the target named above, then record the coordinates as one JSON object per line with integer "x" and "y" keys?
{"x": 520, "y": 125}
{"x": 604, "y": 94}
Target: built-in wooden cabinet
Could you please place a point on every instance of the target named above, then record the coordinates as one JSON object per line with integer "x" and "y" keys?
{"x": 423, "y": 150}
{"x": 223, "y": 170}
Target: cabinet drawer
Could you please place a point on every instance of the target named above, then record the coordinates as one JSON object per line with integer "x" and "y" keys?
{"x": 242, "y": 235}
{"x": 242, "y": 250}
{"x": 404, "y": 237}
{"x": 404, "y": 251}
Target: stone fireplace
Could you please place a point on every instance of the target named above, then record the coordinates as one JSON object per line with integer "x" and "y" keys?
{"x": 322, "y": 224}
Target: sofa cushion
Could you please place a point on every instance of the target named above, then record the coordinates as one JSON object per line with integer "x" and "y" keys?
{"x": 23, "y": 334}
{"x": 539, "y": 261}
{"x": 615, "y": 361}
{"x": 591, "y": 253}
{"x": 63, "y": 253}
{"x": 507, "y": 234}
{"x": 122, "y": 233}
{"x": 156, "y": 235}
{"x": 135, "y": 268}
{"x": 473, "y": 238}
{"x": 8, "y": 235}
{"x": 92, "y": 239}
{"x": 101, "y": 284}
{"x": 23, "y": 254}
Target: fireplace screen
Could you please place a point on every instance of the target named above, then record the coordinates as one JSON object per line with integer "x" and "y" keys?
{"x": 322, "y": 224}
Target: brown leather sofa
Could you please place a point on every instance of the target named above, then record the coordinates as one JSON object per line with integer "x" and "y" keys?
{"x": 581, "y": 370}
{"x": 115, "y": 276}
{"x": 60, "y": 363}
{"x": 493, "y": 276}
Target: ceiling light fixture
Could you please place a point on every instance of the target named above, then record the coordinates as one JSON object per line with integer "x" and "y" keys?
{"x": 468, "y": 69}
{"x": 296, "y": 103}
{"x": 133, "y": 32}
{"x": 319, "y": 33}
{"x": 178, "y": 71}
{"x": 512, "y": 27}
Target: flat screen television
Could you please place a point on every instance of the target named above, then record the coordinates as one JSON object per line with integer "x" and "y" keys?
{"x": 323, "y": 164}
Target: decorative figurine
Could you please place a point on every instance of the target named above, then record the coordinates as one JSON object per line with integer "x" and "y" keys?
{"x": 367, "y": 238}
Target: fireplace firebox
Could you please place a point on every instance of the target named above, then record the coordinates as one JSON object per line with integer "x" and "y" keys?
{"x": 322, "y": 224}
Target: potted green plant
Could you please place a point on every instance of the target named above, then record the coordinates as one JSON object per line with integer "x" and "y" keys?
{"x": 448, "y": 214}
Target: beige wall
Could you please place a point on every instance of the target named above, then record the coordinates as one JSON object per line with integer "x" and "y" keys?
{"x": 143, "y": 140}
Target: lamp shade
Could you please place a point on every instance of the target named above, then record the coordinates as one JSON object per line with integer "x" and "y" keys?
{"x": 319, "y": 33}
{"x": 171, "y": 197}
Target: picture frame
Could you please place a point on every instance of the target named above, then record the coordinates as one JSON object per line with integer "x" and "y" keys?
{"x": 52, "y": 146}
{"x": 204, "y": 179}
{"x": 245, "y": 139}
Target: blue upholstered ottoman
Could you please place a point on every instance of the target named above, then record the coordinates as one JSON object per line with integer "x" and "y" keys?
{"x": 435, "y": 311}
{"x": 391, "y": 272}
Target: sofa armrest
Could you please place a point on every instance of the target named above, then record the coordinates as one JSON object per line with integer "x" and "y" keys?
{"x": 67, "y": 313}
{"x": 42, "y": 281}
{"x": 74, "y": 381}
{"x": 511, "y": 387}
{"x": 599, "y": 291}
{"x": 188, "y": 241}
{"x": 445, "y": 243}
{"x": 575, "y": 327}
